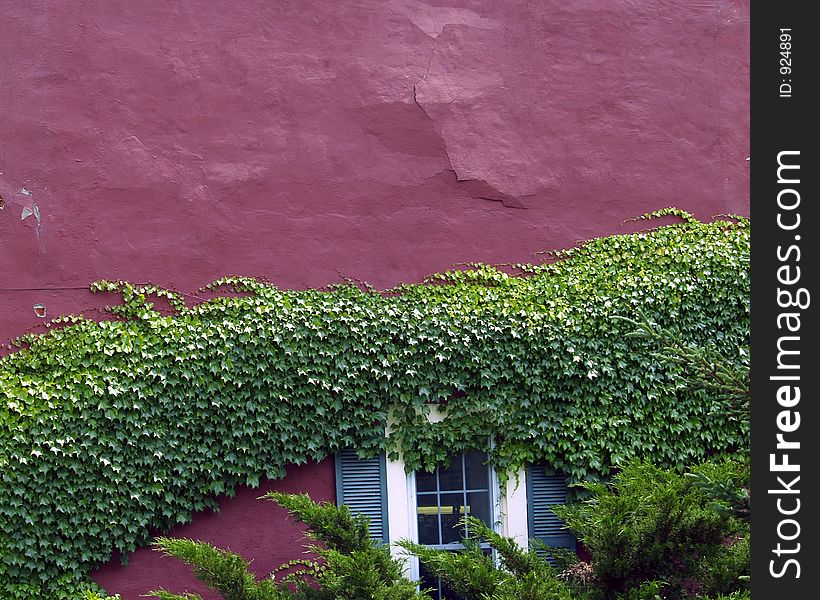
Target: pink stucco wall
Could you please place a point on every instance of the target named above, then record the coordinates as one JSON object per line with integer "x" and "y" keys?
{"x": 177, "y": 142}
{"x": 259, "y": 530}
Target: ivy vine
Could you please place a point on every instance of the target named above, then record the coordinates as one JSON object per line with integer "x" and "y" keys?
{"x": 110, "y": 428}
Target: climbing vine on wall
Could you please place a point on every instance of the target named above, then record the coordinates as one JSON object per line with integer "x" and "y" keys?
{"x": 109, "y": 428}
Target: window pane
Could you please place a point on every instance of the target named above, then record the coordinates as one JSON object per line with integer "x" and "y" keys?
{"x": 442, "y": 503}
{"x": 478, "y": 505}
{"x": 427, "y": 519}
{"x": 452, "y": 506}
{"x": 428, "y": 581}
{"x": 450, "y": 478}
{"x": 425, "y": 482}
{"x": 478, "y": 473}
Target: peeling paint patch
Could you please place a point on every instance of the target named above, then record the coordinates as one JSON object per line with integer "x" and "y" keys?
{"x": 39, "y": 311}
{"x": 28, "y": 211}
{"x": 2, "y": 202}
{"x": 25, "y": 192}
{"x": 433, "y": 19}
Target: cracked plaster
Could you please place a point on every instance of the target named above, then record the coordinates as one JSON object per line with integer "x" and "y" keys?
{"x": 384, "y": 140}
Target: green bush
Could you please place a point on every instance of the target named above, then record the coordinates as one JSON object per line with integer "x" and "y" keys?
{"x": 647, "y": 590}
{"x": 519, "y": 574}
{"x": 221, "y": 570}
{"x": 350, "y": 564}
{"x": 652, "y": 524}
{"x": 739, "y": 595}
{"x": 728, "y": 571}
{"x": 727, "y": 484}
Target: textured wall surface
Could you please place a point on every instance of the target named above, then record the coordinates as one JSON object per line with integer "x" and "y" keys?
{"x": 177, "y": 142}
{"x": 259, "y": 530}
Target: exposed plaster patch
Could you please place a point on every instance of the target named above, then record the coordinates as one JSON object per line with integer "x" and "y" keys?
{"x": 446, "y": 92}
{"x": 479, "y": 188}
{"x": 29, "y": 211}
{"x": 432, "y": 19}
{"x": 231, "y": 172}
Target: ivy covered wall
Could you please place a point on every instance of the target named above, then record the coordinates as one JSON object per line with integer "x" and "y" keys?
{"x": 111, "y": 428}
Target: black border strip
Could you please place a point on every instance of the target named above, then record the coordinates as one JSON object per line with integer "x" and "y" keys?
{"x": 784, "y": 297}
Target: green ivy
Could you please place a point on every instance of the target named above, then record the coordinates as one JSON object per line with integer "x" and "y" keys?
{"x": 110, "y": 428}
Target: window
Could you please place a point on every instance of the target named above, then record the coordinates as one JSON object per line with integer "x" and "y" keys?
{"x": 443, "y": 498}
{"x": 427, "y": 507}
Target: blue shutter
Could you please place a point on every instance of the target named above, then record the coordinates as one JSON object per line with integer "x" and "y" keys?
{"x": 543, "y": 492}
{"x": 361, "y": 484}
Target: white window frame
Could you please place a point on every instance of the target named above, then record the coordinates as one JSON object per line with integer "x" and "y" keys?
{"x": 509, "y": 507}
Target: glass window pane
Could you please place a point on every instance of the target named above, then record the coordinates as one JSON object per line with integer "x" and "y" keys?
{"x": 450, "y": 478}
{"x": 427, "y": 519}
{"x": 439, "y": 513}
{"x": 478, "y": 473}
{"x": 428, "y": 581}
{"x": 452, "y": 506}
{"x": 478, "y": 505}
{"x": 425, "y": 482}
{"x": 447, "y": 593}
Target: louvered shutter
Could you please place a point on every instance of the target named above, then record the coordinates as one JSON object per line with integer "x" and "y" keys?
{"x": 361, "y": 484}
{"x": 543, "y": 492}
